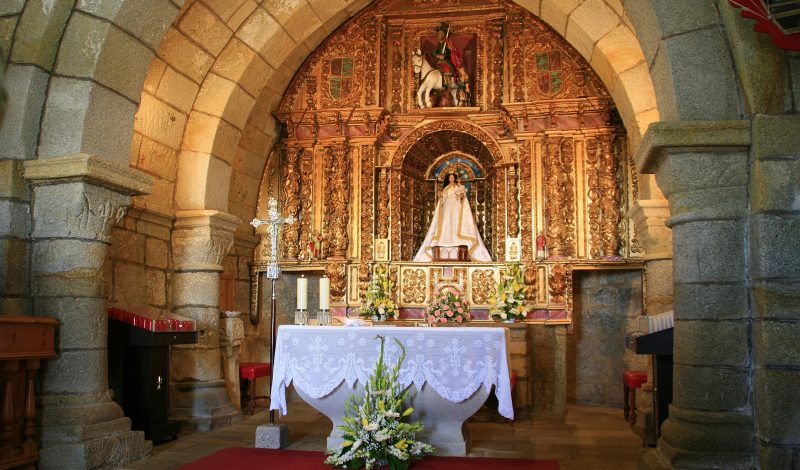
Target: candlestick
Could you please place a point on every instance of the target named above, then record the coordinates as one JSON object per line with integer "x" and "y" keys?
{"x": 302, "y": 293}
{"x": 324, "y": 293}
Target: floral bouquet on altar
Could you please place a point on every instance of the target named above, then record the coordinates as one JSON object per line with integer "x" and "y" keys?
{"x": 508, "y": 302}
{"x": 448, "y": 307}
{"x": 378, "y": 303}
{"x": 374, "y": 433}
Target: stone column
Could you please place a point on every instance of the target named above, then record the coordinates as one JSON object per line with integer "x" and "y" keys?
{"x": 702, "y": 167}
{"x": 650, "y": 219}
{"x": 76, "y": 201}
{"x": 775, "y": 274}
{"x": 200, "y": 240}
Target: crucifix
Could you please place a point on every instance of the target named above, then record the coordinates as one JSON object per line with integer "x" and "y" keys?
{"x": 273, "y": 272}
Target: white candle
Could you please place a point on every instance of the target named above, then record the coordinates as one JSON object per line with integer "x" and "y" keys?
{"x": 324, "y": 293}
{"x": 302, "y": 293}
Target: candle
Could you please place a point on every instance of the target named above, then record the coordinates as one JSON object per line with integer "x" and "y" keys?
{"x": 324, "y": 293}
{"x": 302, "y": 293}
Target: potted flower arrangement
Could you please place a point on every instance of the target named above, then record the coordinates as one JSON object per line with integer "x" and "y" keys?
{"x": 508, "y": 301}
{"x": 374, "y": 432}
{"x": 378, "y": 305}
{"x": 448, "y": 307}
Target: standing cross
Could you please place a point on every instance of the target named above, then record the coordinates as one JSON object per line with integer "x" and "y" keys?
{"x": 274, "y": 222}
{"x": 273, "y": 272}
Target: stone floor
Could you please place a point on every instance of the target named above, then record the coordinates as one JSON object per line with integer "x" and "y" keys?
{"x": 591, "y": 437}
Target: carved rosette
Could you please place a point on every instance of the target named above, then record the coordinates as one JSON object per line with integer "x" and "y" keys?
{"x": 396, "y": 34}
{"x": 338, "y": 277}
{"x": 500, "y": 215}
{"x": 593, "y": 193}
{"x": 306, "y": 202}
{"x": 483, "y": 284}
{"x": 291, "y": 200}
{"x": 553, "y": 198}
{"x": 413, "y": 289}
{"x": 383, "y": 204}
{"x": 558, "y": 283}
{"x": 339, "y": 198}
{"x": 496, "y": 58}
{"x": 513, "y": 202}
{"x": 609, "y": 201}
{"x": 526, "y": 202}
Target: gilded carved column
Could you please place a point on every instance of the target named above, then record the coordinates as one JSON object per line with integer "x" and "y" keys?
{"x": 76, "y": 201}
{"x": 200, "y": 241}
{"x": 497, "y": 61}
{"x": 395, "y": 212}
{"x": 595, "y": 195}
{"x": 609, "y": 191}
{"x": 500, "y": 214}
{"x": 513, "y": 202}
{"x": 396, "y": 35}
{"x": 517, "y": 39}
{"x": 566, "y": 186}
{"x": 554, "y": 201}
{"x": 291, "y": 201}
{"x": 382, "y": 229}
{"x": 306, "y": 201}
{"x": 370, "y": 61}
{"x": 339, "y": 199}
{"x": 367, "y": 214}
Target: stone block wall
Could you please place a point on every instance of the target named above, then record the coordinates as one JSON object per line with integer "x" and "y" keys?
{"x": 137, "y": 270}
{"x": 606, "y": 306}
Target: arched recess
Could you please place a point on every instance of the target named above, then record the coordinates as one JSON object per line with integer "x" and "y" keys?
{"x": 458, "y": 126}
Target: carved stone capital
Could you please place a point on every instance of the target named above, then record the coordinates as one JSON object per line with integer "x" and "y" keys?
{"x": 650, "y": 219}
{"x": 231, "y": 335}
{"x": 81, "y": 196}
{"x": 201, "y": 239}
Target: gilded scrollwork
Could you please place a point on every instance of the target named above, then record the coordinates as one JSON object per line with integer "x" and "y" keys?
{"x": 594, "y": 195}
{"x": 339, "y": 200}
{"x": 517, "y": 38}
{"x": 526, "y": 202}
{"x": 367, "y": 200}
{"x": 306, "y": 203}
{"x": 558, "y": 283}
{"x": 566, "y": 185}
{"x": 530, "y": 278}
{"x": 483, "y": 284}
{"x": 291, "y": 200}
{"x": 370, "y": 61}
{"x": 553, "y": 197}
{"x": 383, "y": 204}
{"x": 395, "y": 211}
{"x": 500, "y": 215}
{"x": 610, "y": 197}
{"x": 396, "y": 34}
{"x": 337, "y": 274}
{"x": 413, "y": 290}
{"x": 496, "y": 57}
{"x": 513, "y": 202}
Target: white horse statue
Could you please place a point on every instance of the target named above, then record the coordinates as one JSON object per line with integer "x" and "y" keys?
{"x": 430, "y": 79}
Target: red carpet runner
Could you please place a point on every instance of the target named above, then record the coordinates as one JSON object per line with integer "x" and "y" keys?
{"x": 241, "y": 458}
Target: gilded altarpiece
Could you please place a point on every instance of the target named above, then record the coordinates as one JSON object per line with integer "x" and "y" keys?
{"x": 536, "y": 142}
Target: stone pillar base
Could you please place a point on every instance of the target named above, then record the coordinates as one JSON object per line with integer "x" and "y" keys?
{"x": 272, "y": 436}
{"x": 204, "y": 406}
{"x": 87, "y": 431}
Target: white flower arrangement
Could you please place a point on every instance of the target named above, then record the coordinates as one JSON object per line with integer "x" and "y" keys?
{"x": 509, "y": 301}
{"x": 374, "y": 433}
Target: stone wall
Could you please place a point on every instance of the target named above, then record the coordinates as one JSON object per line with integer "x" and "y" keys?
{"x": 606, "y": 306}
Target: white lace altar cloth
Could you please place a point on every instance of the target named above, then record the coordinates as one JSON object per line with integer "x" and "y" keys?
{"x": 455, "y": 362}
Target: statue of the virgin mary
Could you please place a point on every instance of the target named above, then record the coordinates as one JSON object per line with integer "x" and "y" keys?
{"x": 453, "y": 224}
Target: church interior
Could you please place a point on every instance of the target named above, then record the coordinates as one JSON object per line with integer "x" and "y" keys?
{"x": 635, "y": 160}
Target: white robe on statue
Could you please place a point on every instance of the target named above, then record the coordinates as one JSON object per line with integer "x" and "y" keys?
{"x": 453, "y": 225}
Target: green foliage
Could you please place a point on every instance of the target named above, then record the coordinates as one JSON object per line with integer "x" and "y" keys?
{"x": 374, "y": 432}
{"x": 378, "y": 303}
{"x": 508, "y": 301}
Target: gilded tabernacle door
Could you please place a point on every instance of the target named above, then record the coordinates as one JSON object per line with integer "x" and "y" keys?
{"x": 408, "y": 95}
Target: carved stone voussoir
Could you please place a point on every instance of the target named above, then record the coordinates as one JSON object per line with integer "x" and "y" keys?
{"x": 201, "y": 239}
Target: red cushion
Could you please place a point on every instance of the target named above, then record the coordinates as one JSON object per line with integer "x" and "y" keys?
{"x": 254, "y": 370}
{"x": 634, "y": 378}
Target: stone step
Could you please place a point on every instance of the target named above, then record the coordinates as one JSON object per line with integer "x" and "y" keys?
{"x": 102, "y": 453}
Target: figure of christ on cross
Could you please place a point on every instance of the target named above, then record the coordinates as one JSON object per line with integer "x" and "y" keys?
{"x": 273, "y": 272}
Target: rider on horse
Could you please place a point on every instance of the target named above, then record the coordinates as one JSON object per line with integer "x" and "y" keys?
{"x": 448, "y": 60}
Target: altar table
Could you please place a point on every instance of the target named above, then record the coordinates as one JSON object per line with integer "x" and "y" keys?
{"x": 452, "y": 371}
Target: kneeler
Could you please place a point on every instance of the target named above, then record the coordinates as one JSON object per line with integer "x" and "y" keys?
{"x": 251, "y": 371}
